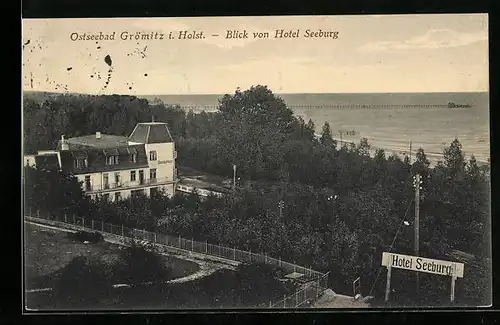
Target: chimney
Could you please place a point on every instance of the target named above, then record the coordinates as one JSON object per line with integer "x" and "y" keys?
{"x": 64, "y": 143}
{"x": 98, "y": 135}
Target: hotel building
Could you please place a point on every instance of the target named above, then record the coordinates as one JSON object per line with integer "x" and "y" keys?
{"x": 116, "y": 167}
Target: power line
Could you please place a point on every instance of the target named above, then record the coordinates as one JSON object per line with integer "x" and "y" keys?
{"x": 392, "y": 244}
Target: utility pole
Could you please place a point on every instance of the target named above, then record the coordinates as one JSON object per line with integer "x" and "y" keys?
{"x": 234, "y": 177}
{"x": 410, "y": 152}
{"x": 281, "y": 205}
{"x": 417, "y": 185}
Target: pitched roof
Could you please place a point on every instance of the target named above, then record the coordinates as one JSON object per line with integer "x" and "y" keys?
{"x": 151, "y": 132}
{"x": 47, "y": 162}
{"x": 105, "y": 141}
{"x": 96, "y": 159}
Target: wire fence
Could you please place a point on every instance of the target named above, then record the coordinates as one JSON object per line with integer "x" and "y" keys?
{"x": 314, "y": 282}
{"x": 306, "y": 295}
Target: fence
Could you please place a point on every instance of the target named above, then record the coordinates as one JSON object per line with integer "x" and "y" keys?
{"x": 315, "y": 282}
{"x": 306, "y": 295}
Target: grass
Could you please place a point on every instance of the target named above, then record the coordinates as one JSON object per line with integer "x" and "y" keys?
{"x": 48, "y": 251}
{"x": 223, "y": 289}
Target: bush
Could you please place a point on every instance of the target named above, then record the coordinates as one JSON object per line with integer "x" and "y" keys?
{"x": 83, "y": 281}
{"x": 139, "y": 264}
{"x": 85, "y": 236}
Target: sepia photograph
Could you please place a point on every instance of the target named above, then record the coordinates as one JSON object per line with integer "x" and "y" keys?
{"x": 256, "y": 163}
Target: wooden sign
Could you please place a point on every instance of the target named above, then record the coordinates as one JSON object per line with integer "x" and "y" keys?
{"x": 421, "y": 264}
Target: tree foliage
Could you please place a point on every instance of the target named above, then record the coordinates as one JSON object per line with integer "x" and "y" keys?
{"x": 342, "y": 207}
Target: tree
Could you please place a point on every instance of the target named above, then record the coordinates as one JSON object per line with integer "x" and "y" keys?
{"x": 53, "y": 192}
{"x": 326, "y": 136}
{"x": 311, "y": 128}
{"x": 421, "y": 164}
{"x": 254, "y": 120}
{"x": 364, "y": 147}
{"x": 139, "y": 264}
{"x": 454, "y": 159}
{"x": 83, "y": 280}
{"x": 473, "y": 170}
{"x": 380, "y": 170}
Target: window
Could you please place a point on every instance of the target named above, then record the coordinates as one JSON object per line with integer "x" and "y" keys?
{"x": 152, "y": 173}
{"x": 118, "y": 196}
{"x": 105, "y": 180}
{"x": 80, "y": 162}
{"x": 133, "y": 157}
{"x": 117, "y": 178}
{"x": 141, "y": 177}
{"x": 27, "y": 162}
{"x": 88, "y": 185}
{"x": 136, "y": 193}
{"x": 112, "y": 160}
{"x": 132, "y": 176}
{"x": 152, "y": 155}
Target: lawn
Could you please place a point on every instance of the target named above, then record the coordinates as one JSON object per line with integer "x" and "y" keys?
{"x": 223, "y": 289}
{"x": 47, "y": 251}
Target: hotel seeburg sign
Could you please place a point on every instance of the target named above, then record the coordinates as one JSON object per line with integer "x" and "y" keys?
{"x": 421, "y": 264}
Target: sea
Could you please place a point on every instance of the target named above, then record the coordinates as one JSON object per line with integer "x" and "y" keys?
{"x": 395, "y": 122}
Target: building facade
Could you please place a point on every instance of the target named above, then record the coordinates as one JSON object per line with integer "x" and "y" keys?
{"x": 115, "y": 167}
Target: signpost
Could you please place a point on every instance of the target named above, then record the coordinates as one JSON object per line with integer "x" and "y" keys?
{"x": 356, "y": 286}
{"x": 421, "y": 264}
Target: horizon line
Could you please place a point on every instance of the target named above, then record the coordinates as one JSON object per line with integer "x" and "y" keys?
{"x": 278, "y": 93}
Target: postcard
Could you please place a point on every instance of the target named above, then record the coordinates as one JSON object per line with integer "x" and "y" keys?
{"x": 264, "y": 163}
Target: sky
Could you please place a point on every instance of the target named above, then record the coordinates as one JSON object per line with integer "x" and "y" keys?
{"x": 382, "y": 53}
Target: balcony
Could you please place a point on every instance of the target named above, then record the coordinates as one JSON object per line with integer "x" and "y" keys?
{"x": 111, "y": 187}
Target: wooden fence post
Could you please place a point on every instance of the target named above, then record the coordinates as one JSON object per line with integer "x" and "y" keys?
{"x": 83, "y": 222}
{"x": 180, "y": 243}
{"x": 102, "y": 225}
{"x": 192, "y": 244}
{"x": 38, "y": 214}
{"x": 155, "y": 238}
{"x": 234, "y": 253}
{"x": 92, "y": 223}
{"x": 74, "y": 219}
{"x": 265, "y": 257}
{"x": 65, "y": 220}
{"x": 123, "y": 234}
{"x": 206, "y": 246}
